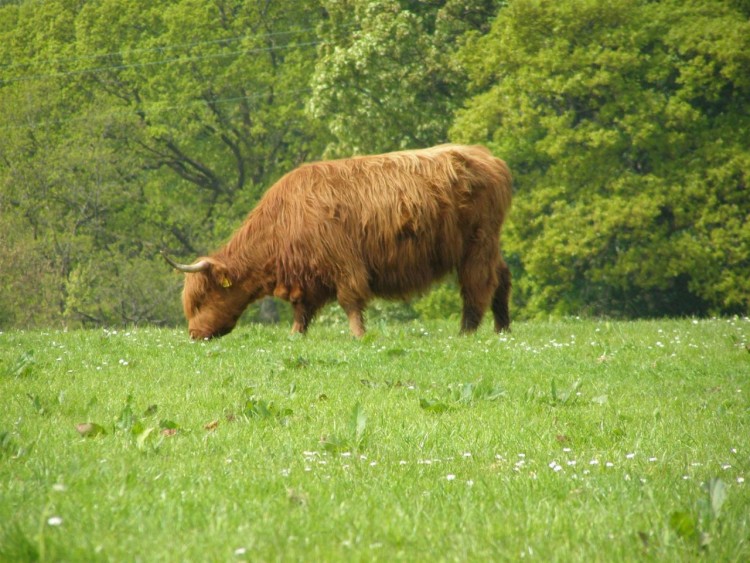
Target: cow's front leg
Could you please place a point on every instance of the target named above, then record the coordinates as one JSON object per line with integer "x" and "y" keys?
{"x": 301, "y": 319}
{"x": 302, "y": 313}
{"x": 306, "y": 305}
{"x": 303, "y": 316}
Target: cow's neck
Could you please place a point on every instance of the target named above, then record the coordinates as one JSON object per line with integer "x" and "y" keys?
{"x": 249, "y": 256}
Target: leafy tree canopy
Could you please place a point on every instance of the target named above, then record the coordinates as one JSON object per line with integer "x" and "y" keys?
{"x": 128, "y": 126}
{"x": 387, "y": 78}
{"x": 134, "y": 126}
{"x": 627, "y": 126}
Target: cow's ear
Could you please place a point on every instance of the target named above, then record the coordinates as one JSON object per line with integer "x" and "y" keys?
{"x": 221, "y": 274}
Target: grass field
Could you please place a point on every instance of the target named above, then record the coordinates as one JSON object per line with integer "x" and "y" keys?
{"x": 570, "y": 440}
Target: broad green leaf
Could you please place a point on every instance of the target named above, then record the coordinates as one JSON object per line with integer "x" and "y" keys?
{"x": 359, "y": 423}
{"x": 141, "y": 438}
{"x": 433, "y": 406}
{"x": 684, "y": 524}
{"x": 22, "y": 367}
{"x": 90, "y": 429}
{"x": 166, "y": 424}
{"x": 717, "y": 493}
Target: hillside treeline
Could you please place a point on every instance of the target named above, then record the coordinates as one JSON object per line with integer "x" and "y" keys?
{"x": 131, "y": 126}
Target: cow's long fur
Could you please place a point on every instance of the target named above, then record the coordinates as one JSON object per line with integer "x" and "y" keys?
{"x": 386, "y": 225}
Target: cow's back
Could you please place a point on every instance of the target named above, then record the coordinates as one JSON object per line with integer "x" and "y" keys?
{"x": 405, "y": 218}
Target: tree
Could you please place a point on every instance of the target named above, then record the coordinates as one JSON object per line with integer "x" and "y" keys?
{"x": 627, "y": 126}
{"x": 134, "y": 126}
{"x": 385, "y": 78}
{"x": 214, "y": 90}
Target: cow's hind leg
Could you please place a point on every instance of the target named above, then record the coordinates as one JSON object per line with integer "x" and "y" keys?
{"x": 478, "y": 278}
{"x": 500, "y": 307}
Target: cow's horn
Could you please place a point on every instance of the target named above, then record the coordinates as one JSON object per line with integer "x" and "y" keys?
{"x": 187, "y": 268}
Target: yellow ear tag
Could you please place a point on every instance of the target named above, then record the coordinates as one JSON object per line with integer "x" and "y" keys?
{"x": 226, "y": 282}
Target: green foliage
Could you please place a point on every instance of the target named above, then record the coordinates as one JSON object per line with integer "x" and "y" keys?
{"x": 16, "y": 546}
{"x": 131, "y": 291}
{"x": 23, "y": 366}
{"x": 626, "y": 125}
{"x": 255, "y": 407}
{"x": 131, "y": 127}
{"x": 8, "y": 446}
{"x": 444, "y": 301}
{"x": 352, "y": 437}
{"x": 386, "y": 78}
{"x": 700, "y": 526}
{"x": 463, "y": 394}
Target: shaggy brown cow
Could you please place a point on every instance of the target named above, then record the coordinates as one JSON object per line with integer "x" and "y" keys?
{"x": 353, "y": 229}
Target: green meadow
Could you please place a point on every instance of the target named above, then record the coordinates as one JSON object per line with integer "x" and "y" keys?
{"x": 567, "y": 440}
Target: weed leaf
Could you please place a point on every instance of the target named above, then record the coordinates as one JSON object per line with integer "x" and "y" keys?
{"x": 332, "y": 443}
{"x": 684, "y": 524}
{"x": 433, "y": 406}
{"x": 296, "y": 363}
{"x": 142, "y": 436}
{"x": 482, "y": 390}
{"x": 165, "y": 424}
{"x": 137, "y": 428}
{"x": 126, "y": 419}
{"x": 8, "y": 446}
{"x": 354, "y": 435}
{"x": 558, "y": 397}
{"x": 717, "y": 494}
{"x": 90, "y": 430}
{"x": 22, "y": 367}
{"x": 358, "y": 423}
{"x": 258, "y": 408}
{"x": 37, "y": 403}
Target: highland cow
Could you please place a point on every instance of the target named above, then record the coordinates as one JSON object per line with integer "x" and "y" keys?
{"x": 373, "y": 226}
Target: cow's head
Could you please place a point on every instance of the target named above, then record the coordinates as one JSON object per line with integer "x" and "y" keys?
{"x": 211, "y": 298}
